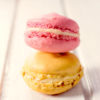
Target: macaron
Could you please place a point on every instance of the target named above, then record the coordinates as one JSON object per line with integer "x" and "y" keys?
{"x": 52, "y": 33}
{"x": 52, "y": 73}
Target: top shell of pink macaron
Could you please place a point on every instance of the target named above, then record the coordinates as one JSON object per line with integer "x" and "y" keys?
{"x": 55, "y": 21}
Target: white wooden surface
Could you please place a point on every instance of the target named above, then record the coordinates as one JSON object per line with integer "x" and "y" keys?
{"x": 6, "y": 18}
{"x": 85, "y": 12}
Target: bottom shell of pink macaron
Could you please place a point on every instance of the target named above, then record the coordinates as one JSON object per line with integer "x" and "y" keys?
{"x": 51, "y": 44}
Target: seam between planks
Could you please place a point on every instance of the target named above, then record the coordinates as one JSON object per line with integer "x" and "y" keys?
{"x": 8, "y": 46}
{"x": 86, "y": 93}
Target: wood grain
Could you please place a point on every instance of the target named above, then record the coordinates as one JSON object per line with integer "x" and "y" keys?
{"x": 6, "y": 19}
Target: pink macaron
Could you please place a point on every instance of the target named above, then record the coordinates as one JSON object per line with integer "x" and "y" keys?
{"x": 52, "y": 33}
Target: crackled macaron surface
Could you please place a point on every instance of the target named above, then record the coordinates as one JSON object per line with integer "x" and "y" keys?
{"x": 52, "y": 73}
{"x": 52, "y": 33}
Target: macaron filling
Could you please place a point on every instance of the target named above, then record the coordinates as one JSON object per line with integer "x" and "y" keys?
{"x": 55, "y": 31}
{"x": 51, "y": 33}
{"x": 52, "y": 80}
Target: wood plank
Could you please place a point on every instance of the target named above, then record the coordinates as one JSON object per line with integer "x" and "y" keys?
{"x": 86, "y": 13}
{"x": 6, "y": 18}
{"x": 14, "y": 86}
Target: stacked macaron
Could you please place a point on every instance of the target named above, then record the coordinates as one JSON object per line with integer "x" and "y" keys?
{"x": 53, "y": 69}
{"x": 52, "y": 33}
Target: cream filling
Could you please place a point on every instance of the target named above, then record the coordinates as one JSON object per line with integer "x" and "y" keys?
{"x": 55, "y": 31}
{"x": 52, "y": 80}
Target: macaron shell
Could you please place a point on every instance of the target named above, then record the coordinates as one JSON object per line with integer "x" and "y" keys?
{"x": 56, "y": 21}
{"x": 52, "y": 45}
{"x": 50, "y": 63}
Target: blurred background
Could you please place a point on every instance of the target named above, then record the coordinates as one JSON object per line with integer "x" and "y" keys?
{"x": 13, "y": 17}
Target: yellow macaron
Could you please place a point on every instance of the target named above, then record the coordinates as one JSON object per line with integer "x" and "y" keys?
{"x": 52, "y": 73}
